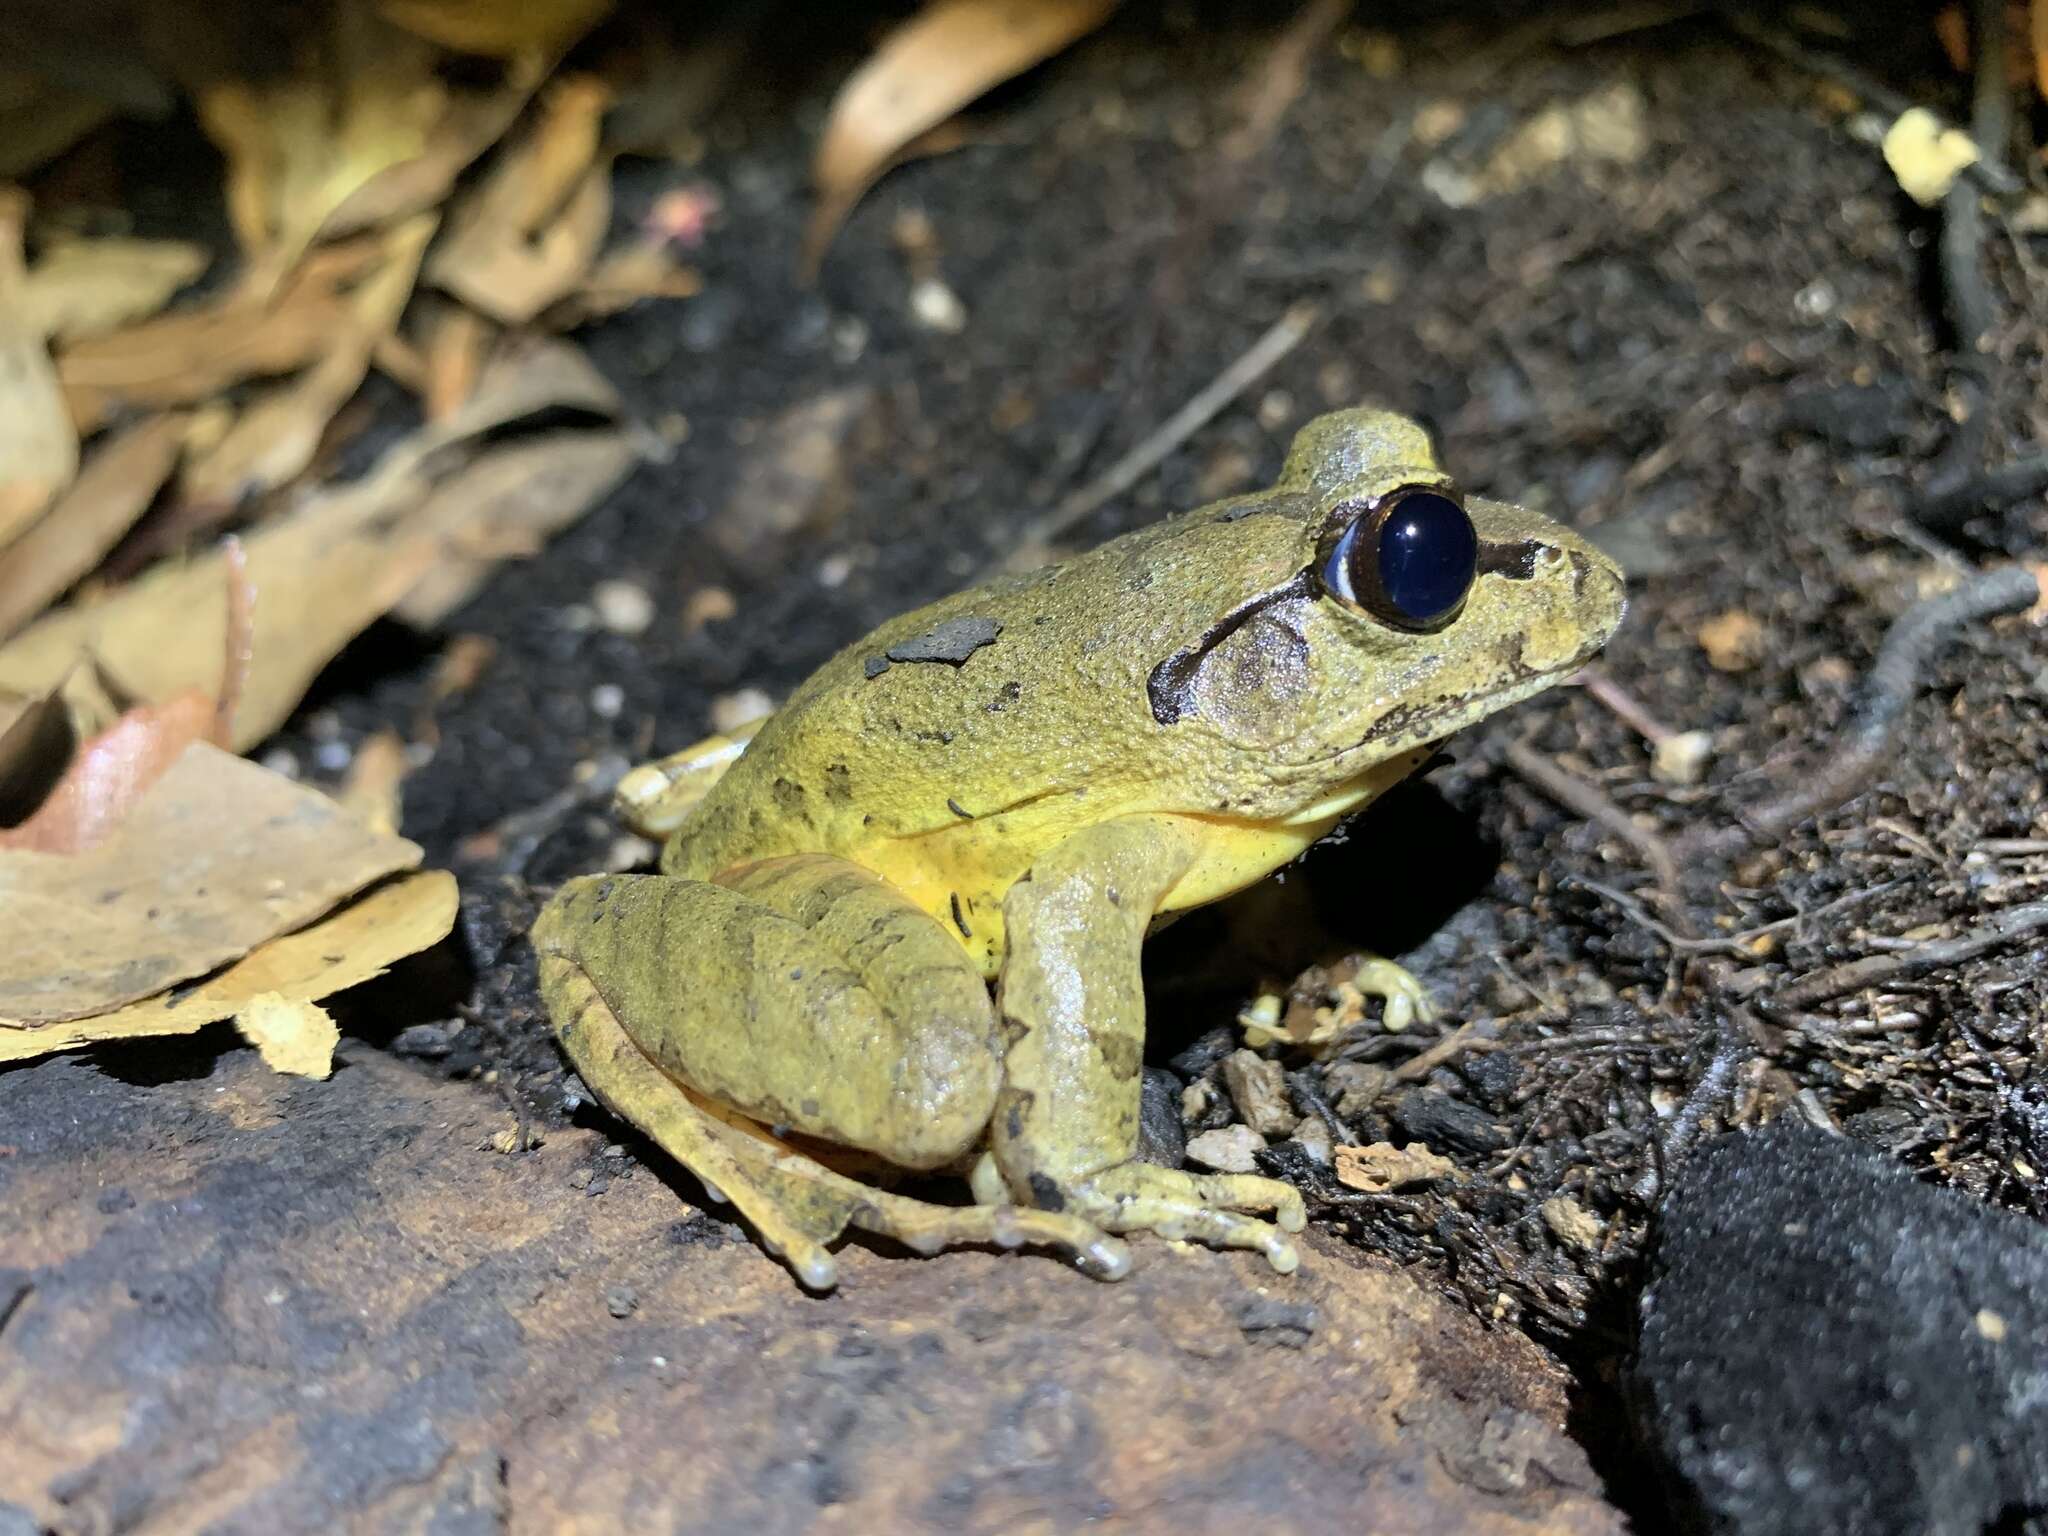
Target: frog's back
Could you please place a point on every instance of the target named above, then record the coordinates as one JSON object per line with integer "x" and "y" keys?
{"x": 1005, "y": 715}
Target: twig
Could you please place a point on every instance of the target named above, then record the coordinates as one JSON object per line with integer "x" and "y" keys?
{"x": 1732, "y": 944}
{"x": 1575, "y": 794}
{"x": 1914, "y": 639}
{"x": 1836, "y": 980}
{"x": 1233, "y": 381}
{"x": 1623, "y": 705}
{"x": 1947, "y": 507}
{"x": 1280, "y": 78}
{"x": 1420, "y": 1065}
{"x": 1971, "y": 306}
{"x": 1989, "y": 174}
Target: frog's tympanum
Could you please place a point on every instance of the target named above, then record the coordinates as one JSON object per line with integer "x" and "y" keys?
{"x": 1012, "y": 786}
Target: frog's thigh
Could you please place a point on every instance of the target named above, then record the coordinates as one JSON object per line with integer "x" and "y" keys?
{"x": 1072, "y": 1001}
{"x": 803, "y": 991}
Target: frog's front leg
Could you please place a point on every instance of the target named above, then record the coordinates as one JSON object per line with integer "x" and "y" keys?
{"x": 800, "y": 992}
{"x": 1072, "y": 1004}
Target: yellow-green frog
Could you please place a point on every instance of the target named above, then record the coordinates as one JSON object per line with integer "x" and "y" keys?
{"x": 1014, "y": 785}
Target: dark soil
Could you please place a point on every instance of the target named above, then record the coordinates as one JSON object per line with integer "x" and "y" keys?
{"x": 1724, "y": 353}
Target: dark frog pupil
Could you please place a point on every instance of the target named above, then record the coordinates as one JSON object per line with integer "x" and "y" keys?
{"x": 1422, "y": 562}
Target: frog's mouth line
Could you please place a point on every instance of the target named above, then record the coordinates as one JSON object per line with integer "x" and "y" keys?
{"x": 1415, "y": 723}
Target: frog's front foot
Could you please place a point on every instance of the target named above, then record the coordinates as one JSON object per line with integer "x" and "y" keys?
{"x": 1403, "y": 999}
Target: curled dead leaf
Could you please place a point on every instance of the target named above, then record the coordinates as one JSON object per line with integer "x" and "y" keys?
{"x": 926, "y": 70}
{"x": 38, "y": 444}
{"x": 219, "y": 856}
{"x": 528, "y": 232}
{"x": 119, "y": 481}
{"x": 354, "y": 945}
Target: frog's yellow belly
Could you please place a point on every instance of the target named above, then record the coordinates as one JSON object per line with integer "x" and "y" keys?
{"x": 960, "y": 873}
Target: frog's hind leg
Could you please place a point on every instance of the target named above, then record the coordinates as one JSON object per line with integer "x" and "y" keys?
{"x": 761, "y": 993}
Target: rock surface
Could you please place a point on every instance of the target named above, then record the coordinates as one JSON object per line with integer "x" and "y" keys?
{"x": 237, "y": 1302}
{"x": 1829, "y": 1345}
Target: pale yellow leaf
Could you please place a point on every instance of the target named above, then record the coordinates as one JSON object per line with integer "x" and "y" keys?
{"x": 293, "y": 1035}
{"x": 83, "y": 288}
{"x": 926, "y": 70}
{"x": 371, "y": 792}
{"x": 354, "y": 945}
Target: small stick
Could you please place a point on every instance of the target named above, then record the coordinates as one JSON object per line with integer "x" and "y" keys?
{"x": 1420, "y": 1065}
{"x": 1623, "y": 705}
{"x": 2012, "y": 923}
{"x": 1575, "y": 794}
{"x": 1946, "y": 508}
{"x": 1913, "y": 641}
{"x": 1732, "y": 944}
{"x": 1971, "y": 306}
{"x": 1253, "y": 365}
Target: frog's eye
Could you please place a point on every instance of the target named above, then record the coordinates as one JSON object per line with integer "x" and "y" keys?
{"x": 1407, "y": 558}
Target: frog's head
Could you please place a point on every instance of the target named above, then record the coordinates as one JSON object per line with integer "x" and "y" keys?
{"x": 1409, "y": 610}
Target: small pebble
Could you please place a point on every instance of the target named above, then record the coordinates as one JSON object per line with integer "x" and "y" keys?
{"x": 1259, "y": 1090}
{"x": 707, "y": 605}
{"x": 730, "y": 711}
{"x": 622, "y": 607}
{"x": 629, "y": 852}
{"x": 1356, "y": 1085}
{"x": 1682, "y": 758}
{"x": 606, "y": 700}
{"x": 621, "y": 1300}
{"x": 1572, "y": 1224}
{"x": 937, "y": 308}
{"x": 1314, "y": 1139}
{"x": 1230, "y": 1150}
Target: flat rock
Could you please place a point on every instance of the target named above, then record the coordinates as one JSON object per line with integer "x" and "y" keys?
{"x": 1830, "y": 1345}
{"x": 245, "y": 1303}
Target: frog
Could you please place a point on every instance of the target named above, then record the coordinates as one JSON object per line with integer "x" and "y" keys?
{"x": 896, "y": 927}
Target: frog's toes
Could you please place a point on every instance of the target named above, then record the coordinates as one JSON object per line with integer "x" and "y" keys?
{"x": 1406, "y": 1000}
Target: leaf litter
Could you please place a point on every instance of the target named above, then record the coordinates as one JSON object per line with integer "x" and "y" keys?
{"x": 147, "y": 398}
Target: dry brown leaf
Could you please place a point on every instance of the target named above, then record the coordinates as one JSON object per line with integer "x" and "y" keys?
{"x": 1383, "y": 1166}
{"x": 38, "y": 444}
{"x": 83, "y": 288}
{"x": 926, "y": 70}
{"x": 321, "y": 573}
{"x": 300, "y": 145}
{"x": 528, "y": 232}
{"x": 276, "y": 436}
{"x": 472, "y": 123}
{"x": 293, "y": 1035}
{"x": 319, "y": 582}
{"x": 505, "y": 506}
{"x": 372, "y": 790}
{"x": 192, "y": 355}
{"x": 495, "y": 29}
{"x": 116, "y": 486}
{"x": 351, "y": 947}
{"x": 622, "y": 279}
{"x": 219, "y": 856}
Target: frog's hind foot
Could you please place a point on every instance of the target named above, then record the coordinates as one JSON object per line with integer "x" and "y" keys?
{"x": 795, "y": 1205}
{"x": 1204, "y": 1208}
